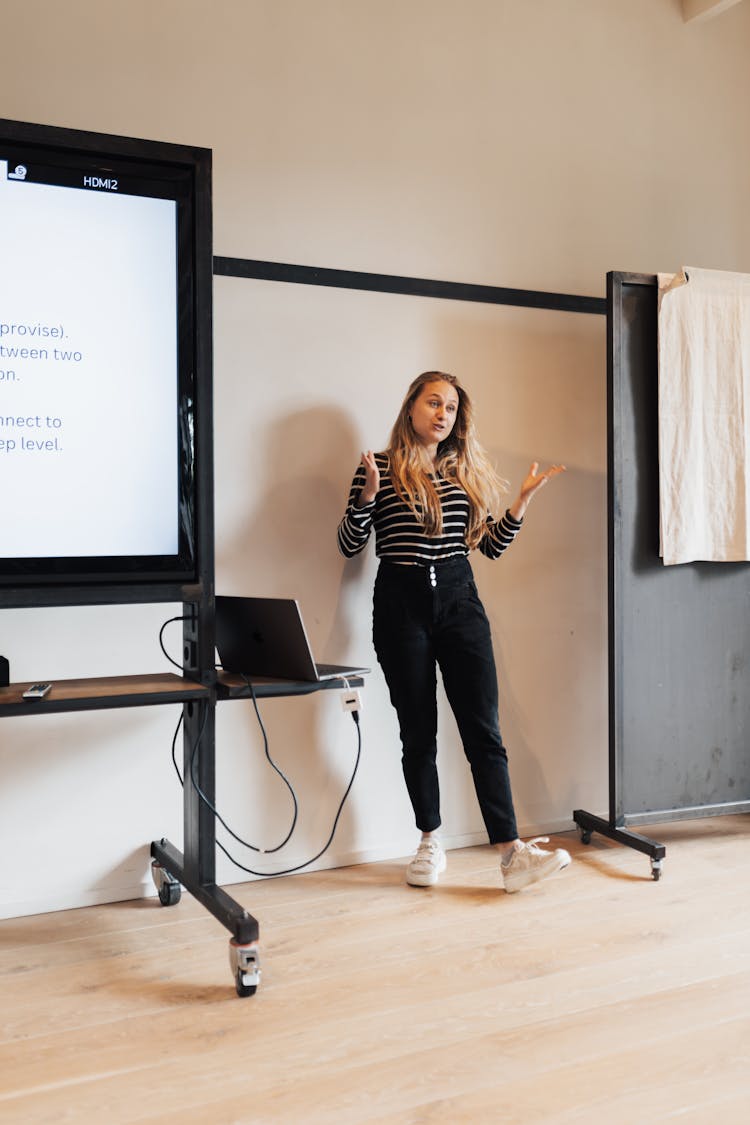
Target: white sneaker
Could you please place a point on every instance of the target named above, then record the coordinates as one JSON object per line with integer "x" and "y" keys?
{"x": 529, "y": 864}
{"x": 429, "y": 861}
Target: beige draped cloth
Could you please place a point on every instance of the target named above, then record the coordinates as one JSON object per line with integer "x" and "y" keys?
{"x": 704, "y": 415}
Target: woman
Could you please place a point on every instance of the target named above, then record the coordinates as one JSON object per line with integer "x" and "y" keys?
{"x": 427, "y": 496}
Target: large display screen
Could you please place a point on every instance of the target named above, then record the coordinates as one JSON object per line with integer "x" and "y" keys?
{"x": 95, "y": 364}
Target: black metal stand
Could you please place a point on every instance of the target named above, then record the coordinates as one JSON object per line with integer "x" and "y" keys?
{"x": 588, "y": 823}
{"x": 195, "y": 867}
{"x": 243, "y": 927}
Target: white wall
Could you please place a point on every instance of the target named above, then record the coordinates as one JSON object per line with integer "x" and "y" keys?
{"x": 532, "y": 144}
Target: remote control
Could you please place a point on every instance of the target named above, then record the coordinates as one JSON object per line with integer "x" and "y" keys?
{"x": 37, "y": 691}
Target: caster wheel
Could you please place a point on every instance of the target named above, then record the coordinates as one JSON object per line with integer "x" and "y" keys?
{"x": 656, "y": 870}
{"x": 168, "y": 887}
{"x": 585, "y": 834}
{"x": 170, "y": 894}
{"x": 242, "y": 988}
{"x": 245, "y": 964}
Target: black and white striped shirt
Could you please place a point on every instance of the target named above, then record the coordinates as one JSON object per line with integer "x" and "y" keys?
{"x": 399, "y": 537}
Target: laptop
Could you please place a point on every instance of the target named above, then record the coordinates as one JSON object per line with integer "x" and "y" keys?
{"x": 267, "y": 637}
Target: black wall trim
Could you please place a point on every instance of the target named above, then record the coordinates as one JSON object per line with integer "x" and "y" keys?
{"x": 412, "y": 286}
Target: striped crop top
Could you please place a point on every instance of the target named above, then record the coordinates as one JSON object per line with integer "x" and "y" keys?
{"x": 399, "y": 537}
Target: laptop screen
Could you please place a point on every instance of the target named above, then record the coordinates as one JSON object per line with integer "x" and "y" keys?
{"x": 263, "y": 637}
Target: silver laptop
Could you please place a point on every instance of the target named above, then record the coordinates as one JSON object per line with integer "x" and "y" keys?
{"x": 267, "y": 637}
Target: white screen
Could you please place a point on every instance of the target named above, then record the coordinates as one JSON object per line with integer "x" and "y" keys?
{"x": 88, "y": 372}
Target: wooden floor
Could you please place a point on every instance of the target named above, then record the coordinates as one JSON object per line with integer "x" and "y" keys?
{"x": 600, "y": 995}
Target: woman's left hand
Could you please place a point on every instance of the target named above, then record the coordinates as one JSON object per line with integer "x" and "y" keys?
{"x": 531, "y": 485}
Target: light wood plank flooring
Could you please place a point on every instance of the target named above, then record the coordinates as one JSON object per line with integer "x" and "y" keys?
{"x": 598, "y": 995}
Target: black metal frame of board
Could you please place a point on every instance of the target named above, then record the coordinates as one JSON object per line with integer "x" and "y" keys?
{"x": 613, "y": 828}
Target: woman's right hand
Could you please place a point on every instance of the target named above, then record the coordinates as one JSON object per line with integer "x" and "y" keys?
{"x": 372, "y": 478}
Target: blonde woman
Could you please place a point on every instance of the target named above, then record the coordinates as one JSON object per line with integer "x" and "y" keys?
{"x": 428, "y": 497}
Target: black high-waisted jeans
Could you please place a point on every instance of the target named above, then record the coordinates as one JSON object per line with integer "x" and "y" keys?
{"x": 425, "y": 616}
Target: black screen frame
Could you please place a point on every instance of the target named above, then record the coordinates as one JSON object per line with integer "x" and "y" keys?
{"x": 163, "y": 170}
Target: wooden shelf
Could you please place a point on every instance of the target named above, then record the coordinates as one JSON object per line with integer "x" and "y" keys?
{"x": 102, "y": 692}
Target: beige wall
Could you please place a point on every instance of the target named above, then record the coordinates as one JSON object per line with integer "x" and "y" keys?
{"x": 535, "y": 143}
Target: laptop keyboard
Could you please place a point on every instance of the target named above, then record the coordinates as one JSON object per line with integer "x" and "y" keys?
{"x": 330, "y": 669}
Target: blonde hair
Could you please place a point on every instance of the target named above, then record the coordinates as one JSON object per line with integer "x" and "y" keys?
{"x": 460, "y": 459}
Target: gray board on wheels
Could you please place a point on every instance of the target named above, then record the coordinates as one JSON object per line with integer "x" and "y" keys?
{"x": 679, "y": 635}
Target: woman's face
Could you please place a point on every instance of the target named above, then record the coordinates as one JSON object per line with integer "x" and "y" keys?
{"x": 434, "y": 411}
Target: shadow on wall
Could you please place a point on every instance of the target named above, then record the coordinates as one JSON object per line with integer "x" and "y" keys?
{"x": 286, "y": 546}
